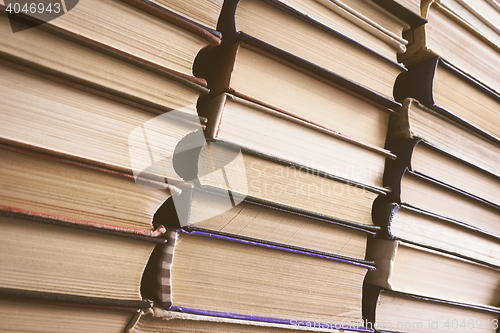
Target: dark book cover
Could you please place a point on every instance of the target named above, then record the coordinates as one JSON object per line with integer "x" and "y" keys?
{"x": 418, "y": 83}
{"x": 410, "y": 17}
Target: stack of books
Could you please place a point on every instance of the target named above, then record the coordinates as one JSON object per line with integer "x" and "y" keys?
{"x": 272, "y": 235}
{"x": 76, "y": 229}
{"x": 437, "y": 256}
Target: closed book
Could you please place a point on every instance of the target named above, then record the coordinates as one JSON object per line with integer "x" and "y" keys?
{"x": 252, "y": 72}
{"x": 39, "y": 312}
{"x": 98, "y": 70}
{"x": 71, "y": 262}
{"x": 453, "y": 93}
{"x": 483, "y": 16}
{"x": 295, "y": 33}
{"x": 427, "y": 194}
{"x": 239, "y": 172}
{"x": 160, "y": 320}
{"x": 450, "y": 37}
{"x": 413, "y": 225}
{"x": 367, "y": 23}
{"x": 86, "y": 124}
{"x": 202, "y": 13}
{"x": 390, "y": 311}
{"x": 430, "y": 161}
{"x": 293, "y": 139}
{"x": 418, "y": 270}
{"x": 416, "y": 121}
{"x": 77, "y": 192}
{"x": 160, "y": 38}
{"x": 203, "y": 273}
{"x": 212, "y": 210}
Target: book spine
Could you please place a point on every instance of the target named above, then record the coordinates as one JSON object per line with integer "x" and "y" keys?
{"x": 412, "y": 18}
{"x": 164, "y": 266}
{"x": 382, "y": 215}
{"x": 393, "y": 180}
{"x": 417, "y": 82}
{"x": 371, "y": 294}
{"x": 403, "y": 149}
{"x": 321, "y": 73}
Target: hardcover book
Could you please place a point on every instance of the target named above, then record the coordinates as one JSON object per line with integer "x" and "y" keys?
{"x": 415, "y": 121}
{"x": 218, "y": 166}
{"x": 293, "y": 139}
{"x": 65, "y": 118}
{"x": 414, "y": 269}
{"x": 425, "y": 159}
{"x": 72, "y": 260}
{"x": 450, "y": 37}
{"x": 415, "y": 226}
{"x": 297, "y": 35}
{"x": 98, "y": 70}
{"x": 149, "y": 34}
{"x": 436, "y": 197}
{"x": 403, "y": 312}
{"x": 251, "y": 72}
{"x": 159, "y": 320}
{"x": 79, "y": 193}
{"x": 40, "y": 315}
{"x": 453, "y": 93}
{"x": 207, "y": 274}
{"x": 364, "y": 22}
{"x": 212, "y": 211}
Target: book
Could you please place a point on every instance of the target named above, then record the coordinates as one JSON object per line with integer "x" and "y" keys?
{"x": 432, "y": 196}
{"x": 207, "y": 274}
{"x": 75, "y": 192}
{"x": 444, "y": 88}
{"x": 51, "y": 312}
{"x": 448, "y": 36}
{"x": 48, "y": 53}
{"x": 160, "y": 38}
{"x": 160, "y": 320}
{"x": 49, "y": 316}
{"x": 251, "y": 72}
{"x": 297, "y": 35}
{"x": 414, "y": 269}
{"x": 389, "y": 311}
{"x": 293, "y": 139}
{"x": 364, "y": 22}
{"x": 212, "y": 211}
{"x": 482, "y": 15}
{"x": 205, "y": 13}
{"x": 240, "y": 173}
{"x": 416, "y": 121}
{"x": 407, "y": 10}
{"x": 423, "y": 158}
{"x": 66, "y": 259}
{"x": 49, "y": 113}
{"x": 413, "y": 225}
